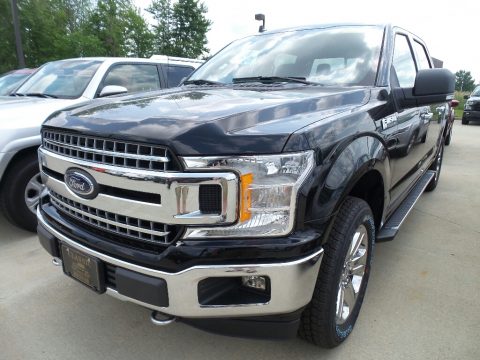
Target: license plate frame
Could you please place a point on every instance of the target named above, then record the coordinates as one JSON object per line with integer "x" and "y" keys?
{"x": 85, "y": 269}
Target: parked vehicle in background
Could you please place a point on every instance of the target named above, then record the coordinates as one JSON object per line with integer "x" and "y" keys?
{"x": 57, "y": 85}
{"x": 248, "y": 200}
{"x": 471, "y": 109}
{"x": 13, "y": 79}
{"x": 176, "y": 68}
{"x": 451, "y": 105}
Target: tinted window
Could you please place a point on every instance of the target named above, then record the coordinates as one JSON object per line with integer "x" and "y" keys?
{"x": 175, "y": 74}
{"x": 337, "y": 55}
{"x": 134, "y": 77}
{"x": 422, "y": 57}
{"x": 403, "y": 62}
{"x": 63, "y": 79}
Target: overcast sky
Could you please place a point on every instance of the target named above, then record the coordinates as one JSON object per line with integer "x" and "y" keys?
{"x": 450, "y": 28}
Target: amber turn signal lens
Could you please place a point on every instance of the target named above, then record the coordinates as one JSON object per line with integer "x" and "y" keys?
{"x": 245, "y": 197}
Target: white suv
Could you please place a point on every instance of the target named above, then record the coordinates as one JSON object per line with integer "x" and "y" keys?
{"x": 55, "y": 86}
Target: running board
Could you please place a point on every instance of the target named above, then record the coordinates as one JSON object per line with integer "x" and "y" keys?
{"x": 391, "y": 227}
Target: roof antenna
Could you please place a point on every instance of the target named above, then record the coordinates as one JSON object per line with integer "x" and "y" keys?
{"x": 260, "y": 17}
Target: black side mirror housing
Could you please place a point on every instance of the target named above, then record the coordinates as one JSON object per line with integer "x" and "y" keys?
{"x": 431, "y": 86}
{"x": 466, "y": 97}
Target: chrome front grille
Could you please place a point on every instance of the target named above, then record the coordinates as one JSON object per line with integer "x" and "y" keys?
{"x": 133, "y": 228}
{"x": 110, "y": 152}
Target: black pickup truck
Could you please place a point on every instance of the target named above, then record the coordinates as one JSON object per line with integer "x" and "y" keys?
{"x": 247, "y": 201}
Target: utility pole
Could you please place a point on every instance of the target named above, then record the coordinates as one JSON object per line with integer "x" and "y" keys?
{"x": 18, "y": 37}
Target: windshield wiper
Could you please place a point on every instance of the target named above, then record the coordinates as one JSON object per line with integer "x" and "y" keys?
{"x": 202, "y": 82}
{"x": 17, "y": 94}
{"x": 42, "y": 95}
{"x": 273, "y": 79}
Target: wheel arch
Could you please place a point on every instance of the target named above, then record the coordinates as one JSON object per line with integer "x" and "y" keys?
{"x": 28, "y": 151}
{"x": 361, "y": 168}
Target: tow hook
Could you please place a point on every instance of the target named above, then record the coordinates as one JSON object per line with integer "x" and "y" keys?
{"x": 161, "y": 319}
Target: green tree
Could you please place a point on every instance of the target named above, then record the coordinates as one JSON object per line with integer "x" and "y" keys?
{"x": 191, "y": 28}
{"x": 181, "y": 28}
{"x": 464, "y": 81}
{"x": 120, "y": 28}
{"x": 162, "y": 12}
{"x": 138, "y": 37}
{"x": 107, "y": 24}
{"x": 8, "y": 59}
{"x": 42, "y": 28}
{"x": 77, "y": 40}
{"x": 60, "y": 29}
{"x": 56, "y": 29}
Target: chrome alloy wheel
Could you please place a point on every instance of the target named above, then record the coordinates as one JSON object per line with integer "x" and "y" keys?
{"x": 352, "y": 275}
{"x": 32, "y": 192}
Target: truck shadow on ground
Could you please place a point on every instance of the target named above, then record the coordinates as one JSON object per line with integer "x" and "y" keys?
{"x": 80, "y": 319}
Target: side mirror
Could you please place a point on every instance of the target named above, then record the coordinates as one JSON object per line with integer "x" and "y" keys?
{"x": 110, "y": 90}
{"x": 431, "y": 86}
{"x": 466, "y": 97}
{"x": 454, "y": 103}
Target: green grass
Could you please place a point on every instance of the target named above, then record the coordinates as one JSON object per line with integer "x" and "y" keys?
{"x": 459, "y": 109}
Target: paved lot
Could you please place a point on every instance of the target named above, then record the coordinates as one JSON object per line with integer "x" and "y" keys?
{"x": 423, "y": 300}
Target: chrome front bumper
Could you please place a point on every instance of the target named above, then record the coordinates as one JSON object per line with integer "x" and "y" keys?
{"x": 292, "y": 283}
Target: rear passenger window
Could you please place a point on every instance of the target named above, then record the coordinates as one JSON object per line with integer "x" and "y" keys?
{"x": 135, "y": 77}
{"x": 175, "y": 74}
{"x": 403, "y": 62}
{"x": 422, "y": 57}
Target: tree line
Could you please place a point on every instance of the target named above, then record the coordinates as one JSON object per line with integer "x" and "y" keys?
{"x": 464, "y": 81}
{"x": 60, "y": 29}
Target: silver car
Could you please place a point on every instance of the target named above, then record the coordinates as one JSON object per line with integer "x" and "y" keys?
{"x": 55, "y": 86}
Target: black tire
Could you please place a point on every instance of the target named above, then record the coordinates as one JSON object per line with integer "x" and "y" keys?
{"x": 437, "y": 168}
{"x": 464, "y": 121}
{"x": 448, "y": 138}
{"x": 13, "y": 192}
{"x": 319, "y": 323}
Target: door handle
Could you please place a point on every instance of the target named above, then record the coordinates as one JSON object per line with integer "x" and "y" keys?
{"x": 426, "y": 116}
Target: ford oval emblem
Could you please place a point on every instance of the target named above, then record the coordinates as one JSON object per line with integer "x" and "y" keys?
{"x": 81, "y": 183}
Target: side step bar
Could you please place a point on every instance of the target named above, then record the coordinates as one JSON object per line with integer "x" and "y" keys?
{"x": 391, "y": 227}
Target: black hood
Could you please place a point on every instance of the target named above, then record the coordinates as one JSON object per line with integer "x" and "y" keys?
{"x": 215, "y": 120}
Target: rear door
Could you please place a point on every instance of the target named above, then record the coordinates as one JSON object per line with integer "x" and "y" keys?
{"x": 433, "y": 117}
{"x": 174, "y": 74}
{"x": 417, "y": 128}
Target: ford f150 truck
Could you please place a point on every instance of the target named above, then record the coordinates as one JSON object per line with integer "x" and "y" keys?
{"x": 248, "y": 201}
{"x": 471, "y": 109}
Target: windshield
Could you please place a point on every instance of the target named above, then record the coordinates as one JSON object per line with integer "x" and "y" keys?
{"x": 9, "y": 82}
{"x": 476, "y": 92}
{"x": 62, "y": 79}
{"x": 346, "y": 55}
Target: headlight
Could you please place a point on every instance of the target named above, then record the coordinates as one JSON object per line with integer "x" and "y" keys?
{"x": 267, "y": 193}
